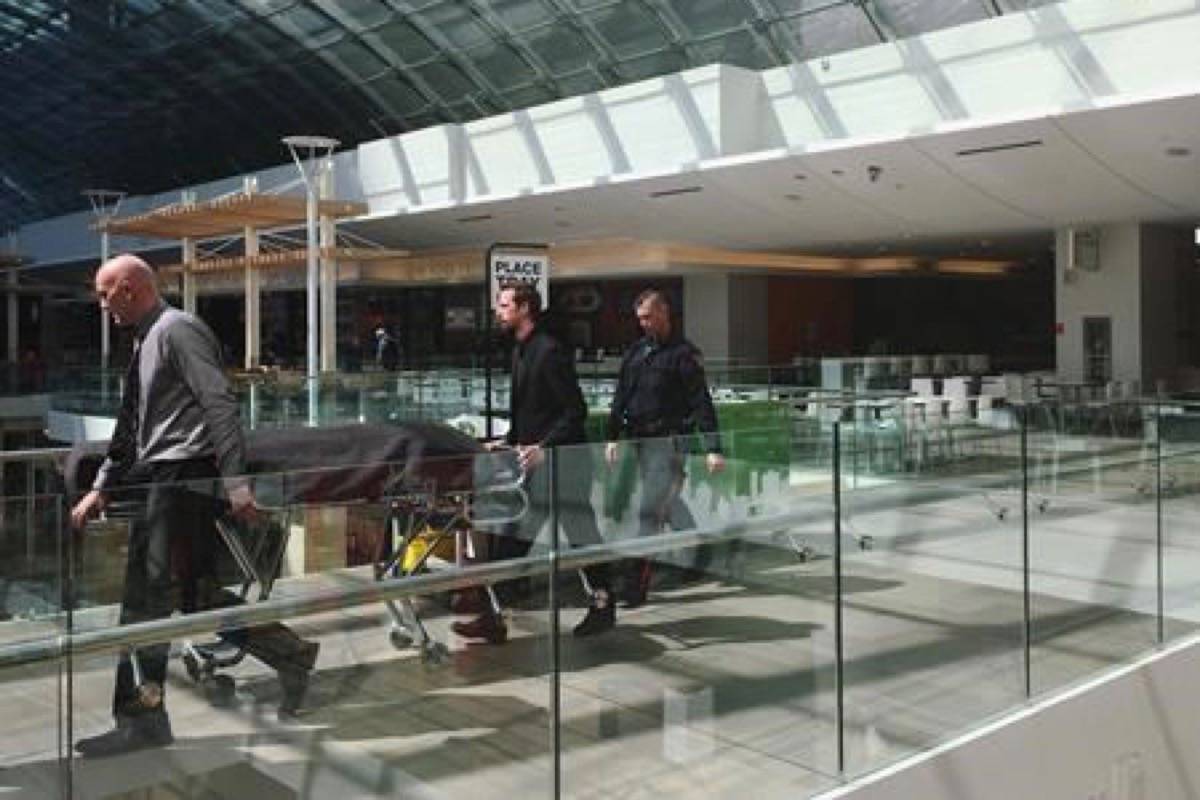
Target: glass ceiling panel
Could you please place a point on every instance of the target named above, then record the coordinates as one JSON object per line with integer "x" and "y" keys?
{"x": 628, "y": 29}
{"x": 139, "y": 94}
{"x": 911, "y": 17}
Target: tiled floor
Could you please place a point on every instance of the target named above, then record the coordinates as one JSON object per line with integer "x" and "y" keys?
{"x": 720, "y": 689}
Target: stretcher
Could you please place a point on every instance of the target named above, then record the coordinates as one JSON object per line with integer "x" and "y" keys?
{"x": 436, "y": 485}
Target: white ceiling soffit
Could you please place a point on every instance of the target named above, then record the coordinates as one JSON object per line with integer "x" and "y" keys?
{"x": 1091, "y": 166}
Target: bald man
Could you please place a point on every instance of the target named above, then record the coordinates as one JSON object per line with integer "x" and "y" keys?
{"x": 178, "y": 442}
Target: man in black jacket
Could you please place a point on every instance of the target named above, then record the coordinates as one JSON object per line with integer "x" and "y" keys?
{"x": 546, "y": 411}
{"x": 661, "y": 396}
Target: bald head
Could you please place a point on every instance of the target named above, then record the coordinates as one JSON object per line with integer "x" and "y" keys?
{"x": 126, "y": 288}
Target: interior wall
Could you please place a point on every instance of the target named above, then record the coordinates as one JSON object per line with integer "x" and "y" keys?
{"x": 808, "y": 316}
{"x": 1166, "y": 251}
{"x": 1112, "y": 290}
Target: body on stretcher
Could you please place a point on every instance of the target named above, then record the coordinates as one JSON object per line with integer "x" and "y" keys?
{"x": 430, "y": 478}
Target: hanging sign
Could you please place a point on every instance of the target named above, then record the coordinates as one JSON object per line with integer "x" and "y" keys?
{"x": 510, "y": 267}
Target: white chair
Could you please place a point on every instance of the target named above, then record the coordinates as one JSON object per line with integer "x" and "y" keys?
{"x": 922, "y": 387}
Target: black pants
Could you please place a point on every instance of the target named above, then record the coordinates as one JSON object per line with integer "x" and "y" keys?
{"x": 660, "y": 467}
{"x": 171, "y": 563}
{"x": 661, "y": 470}
{"x": 575, "y": 512}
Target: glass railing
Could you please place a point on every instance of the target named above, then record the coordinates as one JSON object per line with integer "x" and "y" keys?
{"x": 848, "y": 588}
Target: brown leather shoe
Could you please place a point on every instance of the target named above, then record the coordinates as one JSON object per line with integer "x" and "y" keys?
{"x": 488, "y": 626}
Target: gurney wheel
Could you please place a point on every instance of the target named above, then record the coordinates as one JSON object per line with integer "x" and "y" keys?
{"x": 866, "y": 542}
{"x": 805, "y": 554}
{"x": 400, "y": 638}
{"x": 1042, "y": 505}
{"x": 434, "y": 654}
{"x": 193, "y": 668}
{"x": 1001, "y": 513}
{"x": 221, "y": 690}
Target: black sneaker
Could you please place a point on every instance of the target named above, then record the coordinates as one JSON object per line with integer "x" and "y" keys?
{"x": 598, "y": 620}
{"x": 131, "y": 734}
{"x": 489, "y": 627}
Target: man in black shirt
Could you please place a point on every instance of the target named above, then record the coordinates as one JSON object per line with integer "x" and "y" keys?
{"x": 661, "y": 396}
{"x": 546, "y": 411}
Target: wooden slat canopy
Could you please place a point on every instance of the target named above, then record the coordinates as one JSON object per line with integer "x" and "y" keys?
{"x": 286, "y": 258}
{"x": 226, "y": 216}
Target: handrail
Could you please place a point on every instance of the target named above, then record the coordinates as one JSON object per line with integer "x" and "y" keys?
{"x": 107, "y": 640}
{"x": 41, "y": 454}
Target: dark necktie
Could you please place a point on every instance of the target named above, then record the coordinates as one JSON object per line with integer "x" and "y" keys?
{"x": 123, "y": 448}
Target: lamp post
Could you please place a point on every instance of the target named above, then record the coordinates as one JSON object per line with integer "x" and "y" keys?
{"x": 312, "y": 157}
{"x": 105, "y": 204}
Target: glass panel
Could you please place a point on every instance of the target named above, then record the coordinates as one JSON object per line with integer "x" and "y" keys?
{"x": 1173, "y": 481}
{"x": 406, "y": 42}
{"x": 914, "y": 17}
{"x": 31, "y": 620}
{"x": 1093, "y": 550}
{"x": 829, "y": 31}
{"x": 503, "y": 67}
{"x": 519, "y": 15}
{"x": 458, "y": 25}
{"x": 708, "y": 17}
{"x": 629, "y": 29}
{"x": 718, "y": 672}
{"x": 358, "y": 59}
{"x": 562, "y": 48}
{"x": 350, "y": 688}
{"x": 932, "y": 585}
{"x": 366, "y": 13}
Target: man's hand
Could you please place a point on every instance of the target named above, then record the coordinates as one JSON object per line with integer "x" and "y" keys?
{"x": 715, "y": 463}
{"x": 530, "y": 456}
{"x": 611, "y": 451}
{"x": 89, "y": 505}
{"x": 242, "y": 504}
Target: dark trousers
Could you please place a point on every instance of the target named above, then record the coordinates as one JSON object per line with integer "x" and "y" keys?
{"x": 171, "y": 563}
{"x": 575, "y": 513}
{"x": 660, "y": 467}
{"x": 661, "y": 470}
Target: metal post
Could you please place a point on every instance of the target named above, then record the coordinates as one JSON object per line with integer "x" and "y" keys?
{"x": 839, "y": 673}
{"x": 317, "y": 150}
{"x": 253, "y": 286}
{"x": 14, "y": 309}
{"x": 1023, "y": 416}
{"x": 105, "y": 205}
{"x": 1158, "y": 520}
{"x": 551, "y": 466}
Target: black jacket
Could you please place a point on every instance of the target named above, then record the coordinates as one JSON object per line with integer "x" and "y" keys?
{"x": 661, "y": 391}
{"x": 546, "y": 405}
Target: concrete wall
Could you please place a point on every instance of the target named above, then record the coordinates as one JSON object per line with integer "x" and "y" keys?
{"x": 1112, "y": 290}
{"x": 1166, "y": 252}
{"x": 1138, "y": 285}
{"x": 1130, "y": 736}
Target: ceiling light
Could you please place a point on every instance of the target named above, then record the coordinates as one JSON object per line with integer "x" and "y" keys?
{"x": 673, "y": 192}
{"x": 996, "y": 148}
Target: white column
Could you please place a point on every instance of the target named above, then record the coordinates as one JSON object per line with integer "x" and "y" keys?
{"x": 328, "y": 241}
{"x": 706, "y": 314}
{"x": 188, "y": 197}
{"x": 726, "y": 316}
{"x": 189, "y": 277}
{"x": 105, "y": 322}
{"x": 1134, "y": 281}
{"x": 253, "y": 298}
